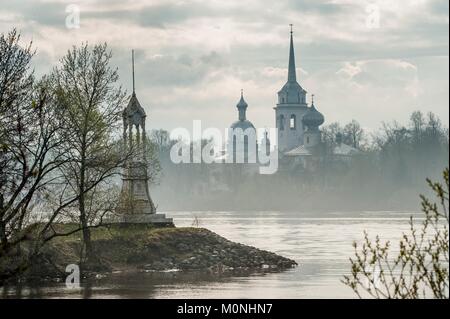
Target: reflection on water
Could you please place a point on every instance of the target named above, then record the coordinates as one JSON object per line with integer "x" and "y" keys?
{"x": 320, "y": 243}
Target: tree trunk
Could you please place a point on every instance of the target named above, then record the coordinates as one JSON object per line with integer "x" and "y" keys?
{"x": 86, "y": 232}
{"x": 3, "y": 237}
{"x": 83, "y": 218}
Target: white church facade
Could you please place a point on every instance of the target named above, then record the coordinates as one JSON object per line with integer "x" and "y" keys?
{"x": 297, "y": 122}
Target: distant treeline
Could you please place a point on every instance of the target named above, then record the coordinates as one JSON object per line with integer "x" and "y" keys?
{"x": 388, "y": 174}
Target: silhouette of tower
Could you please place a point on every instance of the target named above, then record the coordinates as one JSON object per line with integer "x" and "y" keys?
{"x": 291, "y": 107}
{"x": 136, "y": 205}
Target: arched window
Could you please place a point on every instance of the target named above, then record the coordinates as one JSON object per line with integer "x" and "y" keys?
{"x": 307, "y": 140}
{"x": 292, "y": 122}
{"x": 234, "y": 148}
{"x": 282, "y": 100}
{"x": 245, "y": 149}
{"x": 281, "y": 124}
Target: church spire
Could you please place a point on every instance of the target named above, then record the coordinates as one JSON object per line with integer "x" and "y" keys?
{"x": 133, "y": 104}
{"x": 292, "y": 76}
{"x": 132, "y": 63}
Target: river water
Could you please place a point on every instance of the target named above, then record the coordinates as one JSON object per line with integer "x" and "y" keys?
{"x": 321, "y": 243}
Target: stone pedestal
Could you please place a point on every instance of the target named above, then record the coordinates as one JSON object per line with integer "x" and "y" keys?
{"x": 135, "y": 197}
{"x": 154, "y": 219}
{"x": 136, "y": 205}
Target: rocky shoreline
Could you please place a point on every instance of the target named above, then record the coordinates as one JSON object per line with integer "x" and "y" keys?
{"x": 146, "y": 249}
{"x": 204, "y": 249}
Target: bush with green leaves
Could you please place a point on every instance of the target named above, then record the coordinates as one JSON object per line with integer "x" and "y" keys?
{"x": 420, "y": 268}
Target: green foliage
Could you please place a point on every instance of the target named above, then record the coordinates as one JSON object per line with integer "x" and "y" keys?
{"x": 420, "y": 269}
{"x": 90, "y": 113}
{"x": 28, "y": 138}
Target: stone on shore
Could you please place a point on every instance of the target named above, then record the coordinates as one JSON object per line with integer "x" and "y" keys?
{"x": 149, "y": 249}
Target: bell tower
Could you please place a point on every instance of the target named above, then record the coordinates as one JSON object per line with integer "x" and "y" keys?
{"x": 136, "y": 205}
{"x": 291, "y": 107}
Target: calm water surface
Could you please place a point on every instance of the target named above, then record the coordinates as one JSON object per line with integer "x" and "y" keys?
{"x": 321, "y": 243}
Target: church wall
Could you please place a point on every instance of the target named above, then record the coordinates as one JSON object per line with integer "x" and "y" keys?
{"x": 289, "y": 138}
{"x": 312, "y": 138}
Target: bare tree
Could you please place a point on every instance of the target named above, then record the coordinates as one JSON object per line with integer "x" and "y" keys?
{"x": 421, "y": 267}
{"x": 31, "y": 154}
{"x": 354, "y": 134}
{"x": 90, "y": 104}
{"x": 161, "y": 138}
{"x": 152, "y": 156}
{"x": 418, "y": 124}
{"x": 28, "y": 138}
{"x": 329, "y": 133}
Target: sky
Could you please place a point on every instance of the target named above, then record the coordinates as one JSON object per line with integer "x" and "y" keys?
{"x": 371, "y": 61}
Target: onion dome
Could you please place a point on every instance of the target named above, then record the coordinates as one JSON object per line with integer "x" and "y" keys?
{"x": 313, "y": 118}
{"x": 242, "y": 123}
{"x": 245, "y": 124}
{"x": 242, "y": 103}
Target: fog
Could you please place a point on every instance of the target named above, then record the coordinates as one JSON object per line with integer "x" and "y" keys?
{"x": 389, "y": 173}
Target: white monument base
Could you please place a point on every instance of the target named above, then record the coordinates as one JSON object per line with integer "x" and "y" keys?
{"x": 156, "y": 219}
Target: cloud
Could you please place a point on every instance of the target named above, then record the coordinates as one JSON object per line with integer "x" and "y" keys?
{"x": 193, "y": 56}
{"x": 39, "y": 13}
{"x": 180, "y": 70}
{"x": 382, "y": 74}
{"x": 374, "y": 91}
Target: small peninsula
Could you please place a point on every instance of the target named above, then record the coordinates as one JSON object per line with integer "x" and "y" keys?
{"x": 146, "y": 248}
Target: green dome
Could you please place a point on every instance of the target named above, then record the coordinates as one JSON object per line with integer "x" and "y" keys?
{"x": 313, "y": 118}
{"x": 245, "y": 124}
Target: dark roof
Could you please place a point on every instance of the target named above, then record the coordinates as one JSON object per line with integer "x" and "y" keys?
{"x": 313, "y": 117}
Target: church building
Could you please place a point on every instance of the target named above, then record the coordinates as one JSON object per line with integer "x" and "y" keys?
{"x": 242, "y": 143}
{"x": 297, "y": 124}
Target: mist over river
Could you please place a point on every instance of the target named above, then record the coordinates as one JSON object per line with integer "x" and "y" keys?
{"x": 321, "y": 243}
